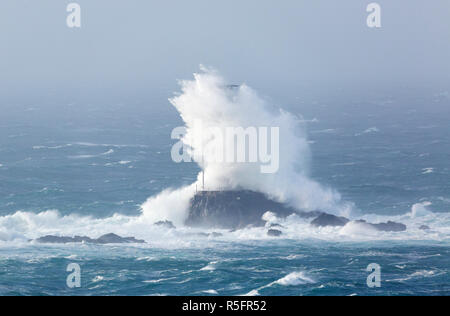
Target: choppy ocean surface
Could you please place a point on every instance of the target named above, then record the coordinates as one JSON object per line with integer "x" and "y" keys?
{"x": 284, "y": 267}
{"x": 87, "y": 169}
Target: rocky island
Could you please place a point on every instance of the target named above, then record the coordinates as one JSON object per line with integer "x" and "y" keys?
{"x": 232, "y": 210}
{"x": 235, "y": 209}
{"x": 242, "y": 208}
{"x": 103, "y": 240}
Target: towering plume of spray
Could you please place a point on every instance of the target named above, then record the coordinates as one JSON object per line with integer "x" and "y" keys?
{"x": 207, "y": 105}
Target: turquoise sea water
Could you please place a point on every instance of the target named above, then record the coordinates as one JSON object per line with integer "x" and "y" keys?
{"x": 70, "y": 172}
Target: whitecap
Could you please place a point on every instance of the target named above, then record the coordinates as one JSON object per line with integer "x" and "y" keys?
{"x": 211, "y": 292}
{"x": 209, "y": 267}
{"x": 427, "y": 170}
{"x": 293, "y": 257}
{"x": 252, "y": 293}
{"x": 52, "y": 147}
{"x": 420, "y": 209}
{"x": 324, "y": 131}
{"x": 106, "y": 153}
{"x": 145, "y": 259}
{"x": 369, "y": 131}
{"x": 159, "y": 280}
{"x": 418, "y": 274}
{"x": 294, "y": 278}
{"x": 71, "y": 257}
{"x": 98, "y": 278}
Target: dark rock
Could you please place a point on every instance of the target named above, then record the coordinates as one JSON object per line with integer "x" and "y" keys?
{"x": 238, "y": 209}
{"x": 329, "y": 220}
{"x": 115, "y": 239}
{"x": 274, "y": 233}
{"x": 105, "y": 239}
{"x": 235, "y": 209}
{"x": 167, "y": 224}
{"x": 276, "y": 225}
{"x": 49, "y": 239}
{"x": 390, "y": 227}
{"x": 424, "y": 227}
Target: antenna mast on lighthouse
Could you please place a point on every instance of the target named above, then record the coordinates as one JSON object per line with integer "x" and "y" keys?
{"x": 203, "y": 173}
{"x": 203, "y": 180}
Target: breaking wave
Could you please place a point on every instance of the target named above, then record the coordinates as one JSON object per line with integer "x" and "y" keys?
{"x": 20, "y": 227}
{"x": 292, "y": 279}
{"x": 295, "y": 278}
{"x": 208, "y": 99}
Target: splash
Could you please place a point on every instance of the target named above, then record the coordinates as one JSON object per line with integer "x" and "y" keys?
{"x": 420, "y": 209}
{"x": 208, "y": 99}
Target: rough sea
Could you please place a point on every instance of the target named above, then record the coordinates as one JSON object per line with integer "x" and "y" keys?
{"x": 87, "y": 167}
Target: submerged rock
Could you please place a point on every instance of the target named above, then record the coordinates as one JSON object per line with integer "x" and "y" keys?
{"x": 166, "y": 224}
{"x": 115, "y": 239}
{"x": 105, "y": 239}
{"x": 424, "y": 227}
{"x": 274, "y": 233}
{"x": 329, "y": 220}
{"x": 234, "y": 209}
{"x": 49, "y": 239}
{"x": 390, "y": 227}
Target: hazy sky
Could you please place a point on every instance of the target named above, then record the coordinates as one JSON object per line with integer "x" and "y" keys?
{"x": 137, "y": 46}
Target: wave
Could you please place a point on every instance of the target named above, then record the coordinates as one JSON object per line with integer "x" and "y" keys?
{"x": 420, "y": 209}
{"x": 106, "y": 153}
{"x": 210, "y": 267}
{"x": 87, "y": 144}
{"x": 370, "y": 130}
{"x": 52, "y": 147}
{"x": 213, "y": 292}
{"x": 97, "y": 279}
{"x": 158, "y": 280}
{"x": 295, "y": 278}
{"x": 111, "y": 145}
{"x": 20, "y": 227}
{"x": 292, "y": 279}
{"x": 419, "y": 274}
{"x": 325, "y": 131}
{"x": 252, "y": 293}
